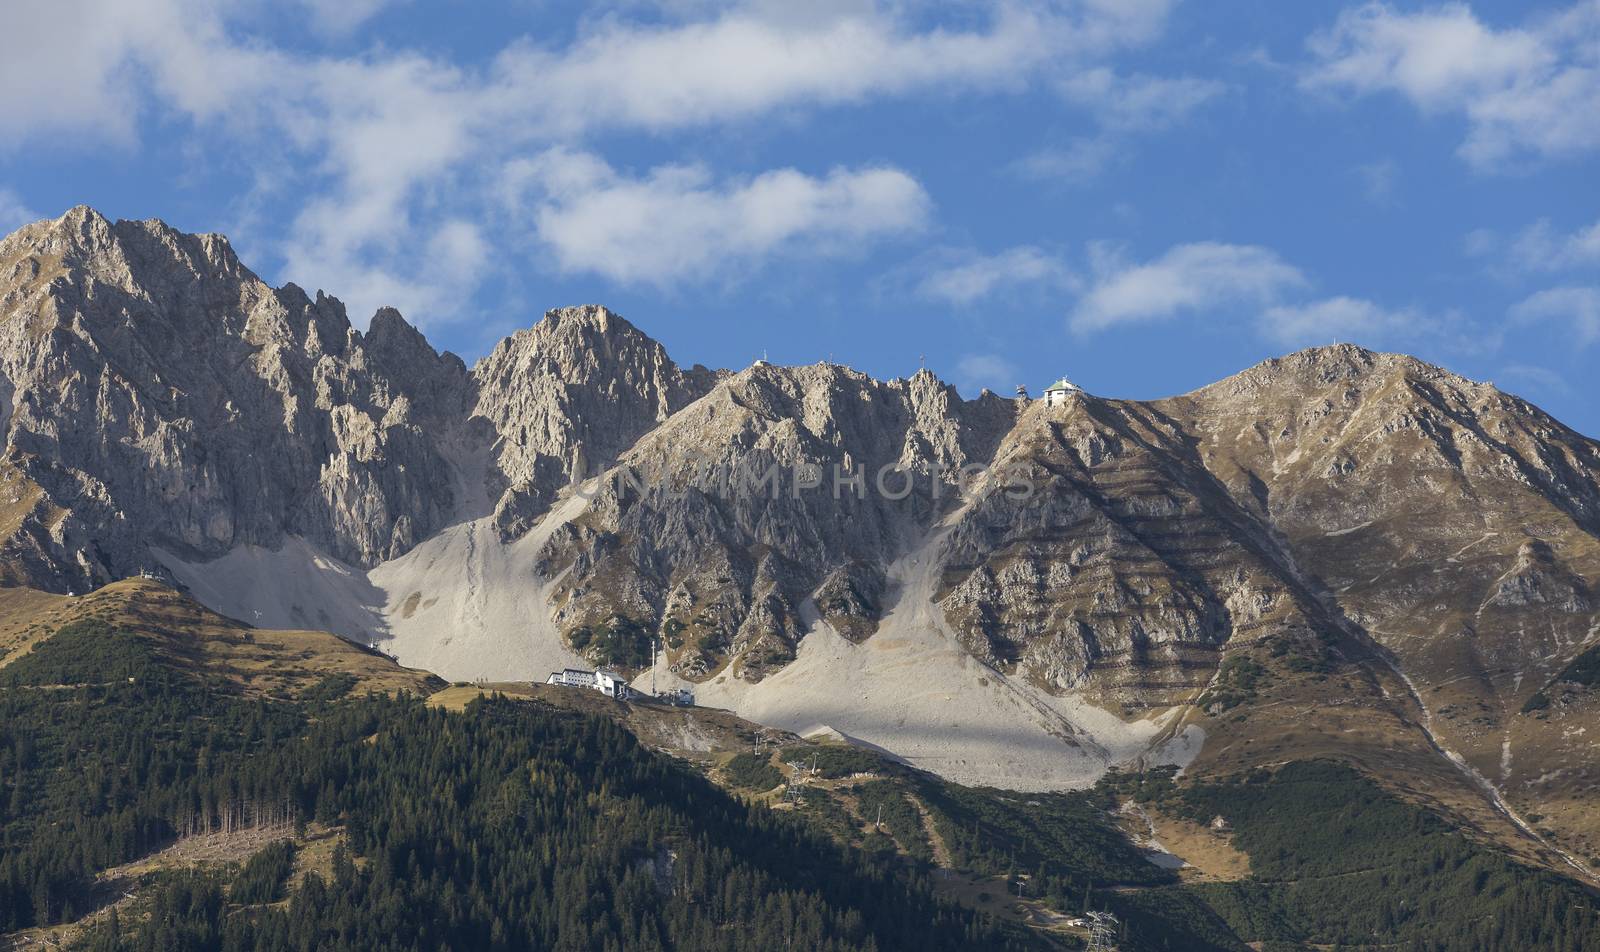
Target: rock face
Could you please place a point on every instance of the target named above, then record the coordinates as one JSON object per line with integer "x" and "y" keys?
{"x": 1453, "y": 524}
{"x": 1126, "y": 563}
{"x": 159, "y": 393}
{"x": 1329, "y": 508}
{"x": 155, "y": 392}
{"x": 780, "y": 490}
{"x": 568, "y": 395}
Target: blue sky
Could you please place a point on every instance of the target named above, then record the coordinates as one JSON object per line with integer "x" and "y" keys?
{"x": 1145, "y": 195}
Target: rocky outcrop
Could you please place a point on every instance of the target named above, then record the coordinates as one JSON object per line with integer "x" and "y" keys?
{"x": 162, "y": 394}
{"x": 568, "y": 395}
{"x": 1451, "y": 523}
{"x": 1539, "y": 579}
{"x": 1121, "y": 563}
{"x": 784, "y": 488}
{"x": 157, "y": 393}
{"x": 154, "y": 394}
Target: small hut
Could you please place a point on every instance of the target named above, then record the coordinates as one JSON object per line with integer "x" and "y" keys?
{"x": 1058, "y": 392}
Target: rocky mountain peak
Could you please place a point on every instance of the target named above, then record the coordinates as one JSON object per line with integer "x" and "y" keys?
{"x": 389, "y": 330}
{"x": 1313, "y": 367}
{"x": 584, "y": 319}
{"x": 160, "y": 403}
{"x": 127, "y": 254}
{"x": 401, "y": 347}
{"x": 567, "y": 396}
{"x": 194, "y": 408}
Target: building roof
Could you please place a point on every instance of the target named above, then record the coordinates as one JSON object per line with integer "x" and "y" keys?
{"x": 1062, "y": 384}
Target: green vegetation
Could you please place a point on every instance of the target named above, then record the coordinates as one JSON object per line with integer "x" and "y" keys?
{"x": 519, "y": 825}
{"x": 261, "y": 880}
{"x": 86, "y": 652}
{"x": 106, "y": 755}
{"x": 1170, "y": 917}
{"x": 1336, "y": 860}
{"x": 822, "y": 811}
{"x": 1538, "y": 702}
{"x": 618, "y": 643}
{"x": 1064, "y": 840}
{"x": 330, "y": 688}
{"x": 753, "y": 772}
{"x": 1304, "y": 653}
{"x": 512, "y": 825}
{"x": 1236, "y": 683}
{"x": 674, "y": 633}
{"x": 833, "y": 761}
{"x": 1063, "y": 844}
{"x": 888, "y": 799}
{"x": 1582, "y": 671}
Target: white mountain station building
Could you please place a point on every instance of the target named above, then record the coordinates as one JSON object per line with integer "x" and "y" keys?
{"x": 609, "y": 683}
{"x": 1058, "y": 392}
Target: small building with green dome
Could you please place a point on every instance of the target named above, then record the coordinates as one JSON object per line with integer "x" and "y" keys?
{"x": 1058, "y": 392}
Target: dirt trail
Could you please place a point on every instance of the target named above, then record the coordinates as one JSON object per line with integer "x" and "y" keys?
{"x": 941, "y": 852}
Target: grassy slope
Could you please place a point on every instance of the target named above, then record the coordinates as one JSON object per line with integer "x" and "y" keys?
{"x": 255, "y": 661}
{"x": 168, "y": 694}
{"x": 985, "y": 841}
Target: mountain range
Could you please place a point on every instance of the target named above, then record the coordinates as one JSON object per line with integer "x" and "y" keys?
{"x": 1335, "y": 553}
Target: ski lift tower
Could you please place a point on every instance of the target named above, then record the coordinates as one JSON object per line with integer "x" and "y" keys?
{"x": 795, "y": 792}
{"x": 1102, "y": 932}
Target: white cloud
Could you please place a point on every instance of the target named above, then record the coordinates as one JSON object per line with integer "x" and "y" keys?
{"x": 1137, "y": 103}
{"x": 338, "y": 17}
{"x": 1480, "y": 242}
{"x": 13, "y": 213}
{"x": 390, "y": 145}
{"x": 1343, "y": 319}
{"x": 1080, "y": 161}
{"x": 1529, "y": 91}
{"x": 1192, "y": 277}
{"x": 1123, "y": 106}
{"x": 680, "y": 223}
{"x": 83, "y": 65}
{"x": 1576, "y": 307}
{"x": 1252, "y": 286}
{"x": 975, "y": 372}
{"x": 978, "y": 276}
{"x": 1539, "y": 247}
{"x": 743, "y": 64}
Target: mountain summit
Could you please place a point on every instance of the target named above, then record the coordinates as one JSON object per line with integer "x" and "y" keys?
{"x": 1001, "y": 590}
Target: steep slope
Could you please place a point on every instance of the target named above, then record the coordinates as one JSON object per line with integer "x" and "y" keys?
{"x": 1453, "y": 524}
{"x": 566, "y": 397}
{"x": 718, "y": 528}
{"x": 156, "y": 391}
{"x": 993, "y": 589}
{"x": 1124, "y": 566}
{"x": 228, "y": 656}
